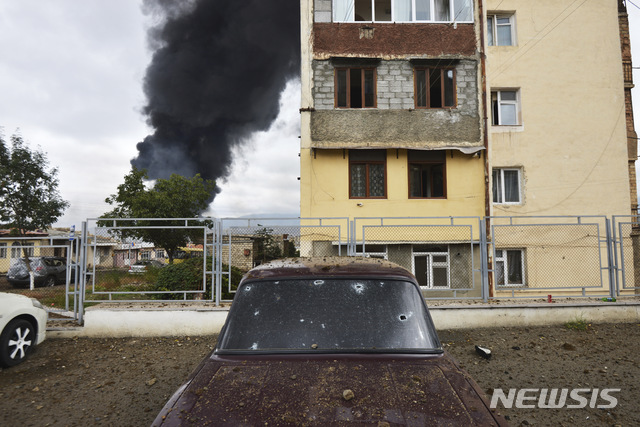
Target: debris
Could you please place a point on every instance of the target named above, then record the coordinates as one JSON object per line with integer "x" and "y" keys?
{"x": 152, "y": 381}
{"x": 569, "y": 347}
{"x": 348, "y": 394}
{"x": 484, "y": 352}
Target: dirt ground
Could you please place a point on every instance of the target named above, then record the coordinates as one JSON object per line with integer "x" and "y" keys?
{"x": 125, "y": 382}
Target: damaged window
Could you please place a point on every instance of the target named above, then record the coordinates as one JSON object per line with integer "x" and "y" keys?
{"x": 355, "y": 87}
{"x": 367, "y": 175}
{"x": 501, "y": 29}
{"x": 427, "y": 174}
{"x": 403, "y": 10}
{"x": 340, "y": 315}
{"x": 435, "y": 88}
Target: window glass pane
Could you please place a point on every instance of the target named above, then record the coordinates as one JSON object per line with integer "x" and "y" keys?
{"x": 341, "y": 88}
{"x": 499, "y": 272}
{"x": 497, "y": 187}
{"x": 358, "y": 180}
{"x": 423, "y": 10}
{"x": 402, "y": 10}
{"x": 421, "y": 88}
{"x": 508, "y": 95}
{"x": 363, "y": 10}
{"x": 355, "y": 89}
{"x": 490, "y": 30}
{"x": 440, "y": 276}
{"x": 420, "y": 263}
{"x": 514, "y": 263}
{"x": 504, "y": 35}
{"x": 342, "y": 10}
{"x": 376, "y": 180}
{"x": 511, "y": 186}
{"x": 508, "y": 114}
{"x": 383, "y": 10}
{"x": 369, "y": 92}
{"x": 442, "y": 12}
{"x": 415, "y": 181}
{"x": 437, "y": 175}
{"x": 462, "y": 10}
{"x": 435, "y": 89}
{"x": 449, "y": 89}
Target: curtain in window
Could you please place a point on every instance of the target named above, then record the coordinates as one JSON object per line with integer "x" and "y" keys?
{"x": 514, "y": 263}
{"x": 358, "y": 181}
{"x": 402, "y": 10}
{"x": 497, "y": 186}
{"x": 503, "y": 29}
{"x": 442, "y": 12}
{"x": 511, "y": 186}
{"x": 462, "y": 10}
{"x": 343, "y": 10}
{"x": 376, "y": 180}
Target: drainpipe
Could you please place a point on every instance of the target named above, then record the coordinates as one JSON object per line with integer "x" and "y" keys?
{"x": 485, "y": 118}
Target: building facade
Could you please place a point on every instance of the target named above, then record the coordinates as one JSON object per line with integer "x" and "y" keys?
{"x": 465, "y": 108}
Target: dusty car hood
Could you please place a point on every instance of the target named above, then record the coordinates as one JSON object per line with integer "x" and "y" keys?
{"x": 301, "y": 390}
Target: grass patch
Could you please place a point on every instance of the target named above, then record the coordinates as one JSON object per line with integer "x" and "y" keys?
{"x": 579, "y": 324}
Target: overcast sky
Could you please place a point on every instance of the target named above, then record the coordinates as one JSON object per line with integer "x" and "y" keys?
{"x": 71, "y": 81}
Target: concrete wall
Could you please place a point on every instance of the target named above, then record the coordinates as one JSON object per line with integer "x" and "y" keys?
{"x": 571, "y": 145}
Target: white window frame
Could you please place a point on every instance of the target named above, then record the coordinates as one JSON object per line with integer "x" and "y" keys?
{"x": 430, "y": 265}
{"x": 501, "y": 102}
{"x": 349, "y": 11}
{"x": 145, "y": 254}
{"x": 503, "y": 258}
{"x": 3, "y": 250}
{"x": 17, "y": 249}
{"x": 502, "y": 190}
{"x": 492, "y": 29}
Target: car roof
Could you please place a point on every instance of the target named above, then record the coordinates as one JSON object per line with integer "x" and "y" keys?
{"x": 291, "y": 268}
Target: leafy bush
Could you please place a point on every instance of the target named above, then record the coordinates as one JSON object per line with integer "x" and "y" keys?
{"x": 187, "y": 276}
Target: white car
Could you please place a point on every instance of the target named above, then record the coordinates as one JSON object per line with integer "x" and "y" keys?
{"x": 23, "y": 322}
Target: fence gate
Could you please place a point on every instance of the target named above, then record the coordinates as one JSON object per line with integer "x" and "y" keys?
{"x": 626, "y": 236}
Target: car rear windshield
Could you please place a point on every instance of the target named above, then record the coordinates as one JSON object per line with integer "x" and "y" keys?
{"x": 332, "y": 315}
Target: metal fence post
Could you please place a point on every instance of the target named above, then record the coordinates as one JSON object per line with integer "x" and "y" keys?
{"x": 611, "y": 259}
{"x": 484, "y": 263}
{"x": 83, "y": 273}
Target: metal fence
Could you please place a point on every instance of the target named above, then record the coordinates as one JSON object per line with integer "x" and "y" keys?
{"x": 203, "y": 259}
{"x": 42, "y": 268}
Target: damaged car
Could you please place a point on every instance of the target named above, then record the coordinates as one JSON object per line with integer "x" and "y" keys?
{"x": 328, "y": 341}
{"x": 47, "y": 271}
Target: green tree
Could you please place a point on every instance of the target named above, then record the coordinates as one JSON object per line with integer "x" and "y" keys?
{"x": 176, "y": 197}
{"x": 29, "y": 197}
{"x": 266, "y": 246}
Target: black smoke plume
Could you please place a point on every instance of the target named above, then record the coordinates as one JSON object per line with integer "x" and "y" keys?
{"x": 215, "y": 77}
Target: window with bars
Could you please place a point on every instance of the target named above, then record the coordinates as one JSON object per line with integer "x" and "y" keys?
{"x": 3, "y": 250}
{"x": 435, "y": 87}
{"x": 427, "y": 174}
{"x": 18, "y": 249}
{"x": 355, "y": 87}
{"x": 367, "y": 174}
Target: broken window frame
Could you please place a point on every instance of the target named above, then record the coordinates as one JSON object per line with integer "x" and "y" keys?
{"x": 499, "y": 103}
{"x": 368, "y": 166}
{"x": 502, "y": 259}
{"x": 500, "y": 190}
{"x": 493, "y": 35}
{"x": 367, "y": 87}
{"x": 422, "y": 98}
{"x": 403, "y": 11}
{"x": 429, "y": 161}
